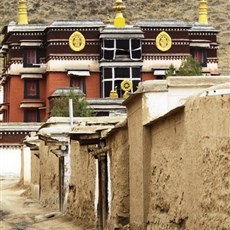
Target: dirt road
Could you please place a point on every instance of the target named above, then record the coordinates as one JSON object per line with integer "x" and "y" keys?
{"x": 18, "y": 212}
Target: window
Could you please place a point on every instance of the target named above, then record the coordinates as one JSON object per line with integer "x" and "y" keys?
{"x": 113, "y": 76}
{"x": 200, "y": 55}
{"x": 31, "y": 58}
{"x": 108, "y": 49}
{"x": 136, "y": 49}
{"x": 31, "y": 116}
{"x": 120, "y": 49}
{"x": 31, "y": 89}
{"x": 78, "y": 82}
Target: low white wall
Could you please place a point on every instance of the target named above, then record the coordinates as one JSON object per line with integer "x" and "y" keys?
{"x": 26, "y": 165}
{"x": 10, "y": 162}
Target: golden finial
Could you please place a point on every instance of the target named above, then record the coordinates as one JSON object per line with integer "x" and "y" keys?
{"x": 119, "y": 20}
{"x": 203, "y": 12}
{"x": 113, "y": 93}
{"x": 22, "y": 12}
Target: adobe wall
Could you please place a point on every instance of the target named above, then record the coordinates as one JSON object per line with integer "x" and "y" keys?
{"x": 81, "y": 199}
{"x": 119, "y": 176}
{"x": 35, "y": 174}
{"x": 35, "y": 165}
{"x": 49, "y": 171}
{"x": 190, "y": 167}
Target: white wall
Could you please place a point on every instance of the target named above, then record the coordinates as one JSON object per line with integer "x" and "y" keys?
{"x": 26, "y": 165}
{"x": 10, "y": 162}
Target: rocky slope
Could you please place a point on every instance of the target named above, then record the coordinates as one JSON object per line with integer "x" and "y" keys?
{"x": 46, "y": 11}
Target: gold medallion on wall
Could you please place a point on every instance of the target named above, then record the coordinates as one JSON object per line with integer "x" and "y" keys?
{"x": 163, "y": 41}
{"x": 77, "y": 41}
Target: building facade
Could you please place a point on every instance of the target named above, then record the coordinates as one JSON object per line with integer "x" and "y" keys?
{"x": 101, "y": 59}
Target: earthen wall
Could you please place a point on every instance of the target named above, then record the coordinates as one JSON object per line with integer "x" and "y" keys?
{"x": 81, "y": 199}
{"x": 49, "y": 168}
{"x": 190, "y": 167}
{"x": 119, "y": 176}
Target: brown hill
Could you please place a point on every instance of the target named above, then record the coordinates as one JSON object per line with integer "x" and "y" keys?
{"x": 46, "y": 11}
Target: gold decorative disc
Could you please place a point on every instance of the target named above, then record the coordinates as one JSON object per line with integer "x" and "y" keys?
{"x": 77, "y": 41}
{"x": 126, "y": 85}
{"x": 163, "y": 41}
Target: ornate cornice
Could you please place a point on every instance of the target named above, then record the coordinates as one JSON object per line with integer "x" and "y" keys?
{"x": 146, "y": 29}
{"x": 173, "y": 43}
{"x": 173, "y": 57}
{"x": 212, "y": 60}
{"x": 66, "y": 43}
{"x": 28, "y": 33}
{"x": 71, "y": 58}
{"x": 164, "y": 57}
{"x": 202, "y": 33}
{"x": 72, "y": 29}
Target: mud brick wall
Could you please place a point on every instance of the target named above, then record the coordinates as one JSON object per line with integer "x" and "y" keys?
{"x": 49, "y": 168}
{"x": 35, "y": 165}
{"x": 190, "y": 167}
{"x": 119, "y": 175}
{"x": 81, "y": 198}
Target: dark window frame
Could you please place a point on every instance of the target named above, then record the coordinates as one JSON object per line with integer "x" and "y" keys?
{"x": 202, "y": 56}
{"x": 122, "y": 48}
{"x": 82, "y": 82}
{"x": 26, "y": 115}
{"x": 25, "y": 57}
{"x": 116, "y": 79}
{"x": 26, "y": 93}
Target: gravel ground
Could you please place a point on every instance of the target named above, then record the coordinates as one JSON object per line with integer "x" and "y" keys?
{"x": 18, "y": 212}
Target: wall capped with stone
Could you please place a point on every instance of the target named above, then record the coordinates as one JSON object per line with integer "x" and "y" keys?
{"x": 81, "y": 198}
{"x": 190, "y": 167}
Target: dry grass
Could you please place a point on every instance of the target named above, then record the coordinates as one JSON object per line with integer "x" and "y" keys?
{"x": 46, "y": 11}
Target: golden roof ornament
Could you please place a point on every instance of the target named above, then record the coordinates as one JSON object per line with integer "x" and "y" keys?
{"x": 22, "y": 12}
{"x": 119, "y": 20}
{"x": 113, "y": 93}
{"x": 203, "y": 12}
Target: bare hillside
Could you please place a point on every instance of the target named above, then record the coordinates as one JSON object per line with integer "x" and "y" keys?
{"x": 46, "y": 11}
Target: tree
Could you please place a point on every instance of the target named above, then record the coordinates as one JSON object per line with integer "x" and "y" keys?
{"x": 190, "y": 67}
{"x": 171, "y": 71}
{"x": 60, "y": 105}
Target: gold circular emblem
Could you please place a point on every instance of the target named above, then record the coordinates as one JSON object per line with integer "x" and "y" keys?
{"x": 126, "y": 85}
{"x": 163, "y": 41}
{"x": 77, "y": 41}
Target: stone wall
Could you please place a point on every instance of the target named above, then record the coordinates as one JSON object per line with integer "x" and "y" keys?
{"x": 49, "y": 168}
{"x": 81, "y": 199}
{"x": 119, "y": 175}
{"x": 190, "y": 167}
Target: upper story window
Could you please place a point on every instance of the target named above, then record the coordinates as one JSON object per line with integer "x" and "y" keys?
{"x": 78, "y": 79}
{"x": 112, "y": 77}
{"x": 120, "y": 49}
{"x": 200, "y": 55}
{"x": 31, "y": 89}
{"x": 78, "y": 82}
{"x": 31, "y": 57}
{"x": 31, "y": 115}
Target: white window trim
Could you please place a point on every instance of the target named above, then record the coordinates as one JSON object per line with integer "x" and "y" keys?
{"x": 113, "y": 79}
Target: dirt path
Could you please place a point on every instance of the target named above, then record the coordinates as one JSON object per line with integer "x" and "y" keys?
{"x": 19, "y": 213}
